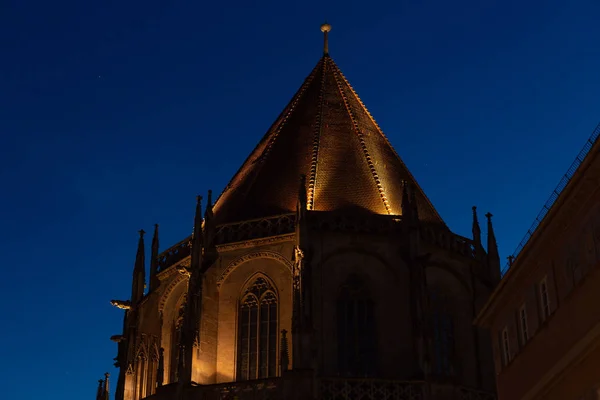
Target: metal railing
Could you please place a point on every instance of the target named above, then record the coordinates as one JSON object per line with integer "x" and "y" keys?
{"x": 555, "y": 194}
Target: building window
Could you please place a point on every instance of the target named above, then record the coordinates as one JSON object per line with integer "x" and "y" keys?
{"x": 523, "y": 320}
{"x": 575, "y": 268}
{"x": 257, "y": 332}
{"x": 443, "y": 338}
{"x": 544, "y": 299}
{"x": 357, "y": 341}
{"x": 505, "y": 346}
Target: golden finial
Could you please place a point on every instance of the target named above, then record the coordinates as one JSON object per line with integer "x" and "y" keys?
{"x": 325, "y": 28}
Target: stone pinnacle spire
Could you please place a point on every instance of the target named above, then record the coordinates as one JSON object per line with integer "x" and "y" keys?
{"x": 154, "y": 260}
{"x": 106, "y": 391}
{"x": 139, "y": 272}
{"x": 493, "y": 257}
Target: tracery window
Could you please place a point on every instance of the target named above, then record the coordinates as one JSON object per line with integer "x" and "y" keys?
{"x": 356, "y": 330}
{"x": 257, "y": 332}
{"x": 443, "y": 338}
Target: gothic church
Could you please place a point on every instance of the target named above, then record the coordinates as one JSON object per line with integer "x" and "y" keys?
{"x": 322, "y": 271}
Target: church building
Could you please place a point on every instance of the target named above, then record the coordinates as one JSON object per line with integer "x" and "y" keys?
{"x": 322, "y": 271}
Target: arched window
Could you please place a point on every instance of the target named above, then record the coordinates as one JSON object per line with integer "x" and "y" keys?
{"x": 357, "y": 341}
{"x": 257, "y": 332}
{"x": 443, "y": 337}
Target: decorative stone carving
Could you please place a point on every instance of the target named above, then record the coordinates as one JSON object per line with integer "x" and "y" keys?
{"x": 368, "y": 389}
{"x": 252, "y": 256}
{"x": 183, "y": 270}
{"x": 122, "y": 304}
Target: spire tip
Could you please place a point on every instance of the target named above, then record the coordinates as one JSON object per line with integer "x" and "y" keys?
{"x": 325, "y": 28}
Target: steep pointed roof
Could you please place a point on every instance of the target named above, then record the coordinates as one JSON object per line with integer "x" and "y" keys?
{"x": 327, "y": 134}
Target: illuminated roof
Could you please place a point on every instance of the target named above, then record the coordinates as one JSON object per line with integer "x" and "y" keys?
{"x": 327, "y": 134}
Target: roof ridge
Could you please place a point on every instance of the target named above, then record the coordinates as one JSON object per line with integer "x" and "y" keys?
{"x": 363, "y": 146}
{"x": 414, "y": 181}
{"x": 271, "y": 134}
{"x": 312, "y": 181}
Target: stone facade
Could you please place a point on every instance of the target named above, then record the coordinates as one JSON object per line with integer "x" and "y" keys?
{"x": 544, "y": 325}
{"x": 348, "y": 285}
{"x": 380, "y": 258}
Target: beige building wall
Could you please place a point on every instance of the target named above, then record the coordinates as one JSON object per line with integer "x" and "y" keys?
{"x": 558, "y": 359}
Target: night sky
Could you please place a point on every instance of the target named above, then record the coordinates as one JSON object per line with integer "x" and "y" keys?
{"x": 114, "y": 115}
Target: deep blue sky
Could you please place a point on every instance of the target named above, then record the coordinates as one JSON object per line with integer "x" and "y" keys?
{"x": 115, "y": 114}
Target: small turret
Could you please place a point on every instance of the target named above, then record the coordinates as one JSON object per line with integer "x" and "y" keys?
{"x": 154, "y": 260}
{"x": 139, "y": 272}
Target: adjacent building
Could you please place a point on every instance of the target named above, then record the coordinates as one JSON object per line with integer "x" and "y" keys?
{"x": 544, "y": 316}
{"x": 322, "y": 271}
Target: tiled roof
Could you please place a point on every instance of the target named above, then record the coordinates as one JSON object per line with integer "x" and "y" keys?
{"x": 327, "y": 134}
